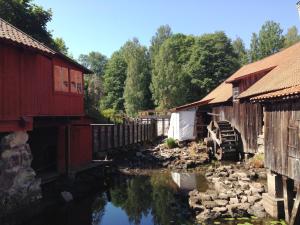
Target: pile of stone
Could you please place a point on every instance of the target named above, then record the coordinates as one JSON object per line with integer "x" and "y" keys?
{"x": 158, "y": 156}
{"x": 184, "y": 157}
{"x": 234, "y": 193}
{"x": 18, "y": 183}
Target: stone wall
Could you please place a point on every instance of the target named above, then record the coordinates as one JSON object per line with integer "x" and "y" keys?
{"x": 18, "y": 183}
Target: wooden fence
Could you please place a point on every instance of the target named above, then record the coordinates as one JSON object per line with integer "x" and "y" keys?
{"x": 109, "y": 136}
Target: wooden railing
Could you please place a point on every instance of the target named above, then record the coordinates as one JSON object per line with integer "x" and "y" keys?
{"x": 109, "y": 136}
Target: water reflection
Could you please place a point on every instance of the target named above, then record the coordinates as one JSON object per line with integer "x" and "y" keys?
{"x": 142, "y": 200}
{"x": 190, "y": 181}
{"x": 133, "y": 200}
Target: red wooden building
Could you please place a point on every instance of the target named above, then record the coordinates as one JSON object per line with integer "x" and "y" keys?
{"x": 41, "y": 92}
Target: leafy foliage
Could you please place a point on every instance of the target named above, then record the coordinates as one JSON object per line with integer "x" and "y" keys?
{"x": 271, "y": 39}
{"x": 137, "y": 94}
{"x": 162, "y": 34}
{"x": 291, "y": 37}
{"x": 61, "y": 46}
{"x": 28, "y": 17}
{"x": 96, "y": 62}
{"x": 170, "y": 143}
{"x": 254, "y": 54}
{"x": 239, "y": 49}
{"x": 114, "y": 82}
{"x": 170, "y": 81}
{"x": 213, "y": 59}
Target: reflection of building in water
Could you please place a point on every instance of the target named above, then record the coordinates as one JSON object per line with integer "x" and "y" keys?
{"x": 185, "y": 181}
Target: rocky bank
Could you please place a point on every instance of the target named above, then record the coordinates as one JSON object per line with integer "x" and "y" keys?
{"x": 235, "y": 192}
{"x": 182, "y": 157}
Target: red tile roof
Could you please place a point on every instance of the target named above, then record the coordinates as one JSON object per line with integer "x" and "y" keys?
{"x": 10, "y": 33}
{"x": 282, "y": 68}
{"x": 286, "y": 92}
{"x": 285, "y": 75}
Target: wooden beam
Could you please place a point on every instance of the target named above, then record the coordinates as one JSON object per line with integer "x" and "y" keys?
{"x": 288, "y": 186}
{"x": 295, "y": 212}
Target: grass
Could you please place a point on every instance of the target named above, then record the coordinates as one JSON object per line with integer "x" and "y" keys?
{"x": 170, "y": 143}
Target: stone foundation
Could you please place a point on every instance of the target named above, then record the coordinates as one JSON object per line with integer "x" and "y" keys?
{"x": 18, "y": 183}
{"x": 273, "y": 200}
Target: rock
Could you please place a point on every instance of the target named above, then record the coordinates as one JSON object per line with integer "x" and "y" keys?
{"x": 253, "y": 199}
{"x": 209, "y": 174}
{"x": 223, "y": 174}
{"x": 220, "y": 209}
{"x": 234, "y": 201}
{"x": 207, "y": 215}
{"x": 220, "y": 187}
{"x": 209, "y": 204}
{"x": 241, "y": 175}
{"x": 223, "y": 196}
{"x": 244, "y": 199}
{"x": 67, "y": 196}
{"x": 257, "y": 190}
{"x": 221, "y": 202}
{"x": 15, "y": 139}
{"x": 204, "y": 197}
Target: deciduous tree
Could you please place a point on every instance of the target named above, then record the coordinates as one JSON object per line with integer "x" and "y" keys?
{"x": 291, "y": 37}
{"x": 270, "y": 39}
{"x": 137, "y": 94}
{"x": 114, "y": 82}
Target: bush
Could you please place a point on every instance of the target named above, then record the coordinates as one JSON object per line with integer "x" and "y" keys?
{"x": 257, "y": 161}
{"x": 170, "y": 143}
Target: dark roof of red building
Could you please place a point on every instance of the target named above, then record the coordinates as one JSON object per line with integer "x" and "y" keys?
{"x": 14, "y": 35}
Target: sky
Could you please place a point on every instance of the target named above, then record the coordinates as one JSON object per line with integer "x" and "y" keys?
{"x": 105, "y": 25}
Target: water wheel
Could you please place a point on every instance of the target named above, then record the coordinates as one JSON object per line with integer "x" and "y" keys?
{"x": 222, "y": 140}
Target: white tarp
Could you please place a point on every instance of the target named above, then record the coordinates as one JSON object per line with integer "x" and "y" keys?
{"x": 182, "y": 125}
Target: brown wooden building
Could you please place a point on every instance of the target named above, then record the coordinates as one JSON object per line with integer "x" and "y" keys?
{"x": 279, "y": 93}
{"x": 224, "y": 102}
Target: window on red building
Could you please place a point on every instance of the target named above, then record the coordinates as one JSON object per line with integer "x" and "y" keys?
{"x": 67, "y": 81}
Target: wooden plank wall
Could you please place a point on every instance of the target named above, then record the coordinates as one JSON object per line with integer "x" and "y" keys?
{"x": 109, "y": 136}
{"x": 282, "y": 149}
{"x": 246, "y": 118}
{"x": 26, "y": 86}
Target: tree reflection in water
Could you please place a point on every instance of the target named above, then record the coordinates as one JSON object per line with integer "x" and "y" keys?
{"x": 155, "y": 198}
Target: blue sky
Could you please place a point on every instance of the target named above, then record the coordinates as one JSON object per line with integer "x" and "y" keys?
{"x": 105, "y": 25}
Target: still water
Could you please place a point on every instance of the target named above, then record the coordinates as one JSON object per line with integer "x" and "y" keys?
{"x": 159, "y": 199}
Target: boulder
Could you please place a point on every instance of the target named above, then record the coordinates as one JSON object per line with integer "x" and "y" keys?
{"x": 209, "y": 204}
{"x": 15, "y": 139}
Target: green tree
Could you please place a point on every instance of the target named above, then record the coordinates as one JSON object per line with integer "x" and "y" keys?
{"x": 291, "y": 37}
{"x": 162, "y": 34}
{"x": 270, "y": 39}
{"x": 96, "y": 62}
{"x": 28, "y": 17}
{"x": 254, "y": 53}
{"x": 213, "y": 59}
{"x": 170, "y": 80}
{"x": 137, "y": 94}
{"x": 61, "y": 46}
{"x": 114, "y": 82}
{"x": 239, "y": 48}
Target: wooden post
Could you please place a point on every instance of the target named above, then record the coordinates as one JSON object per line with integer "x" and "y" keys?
{"x": 163, "y": 127}
{"x": 294, "y": 219}
{"x": 288, "y": 186}
{"x": 105, "y": 139}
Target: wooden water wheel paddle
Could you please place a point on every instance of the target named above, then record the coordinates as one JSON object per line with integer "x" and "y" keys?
{"x": 224, "y": 138}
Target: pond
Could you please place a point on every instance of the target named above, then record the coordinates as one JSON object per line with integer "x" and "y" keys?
{"x": 157, "y": 199}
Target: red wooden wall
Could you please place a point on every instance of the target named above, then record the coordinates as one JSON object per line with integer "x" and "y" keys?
{"x": 81, "y": 146}
{"x": 27, "y": 87}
